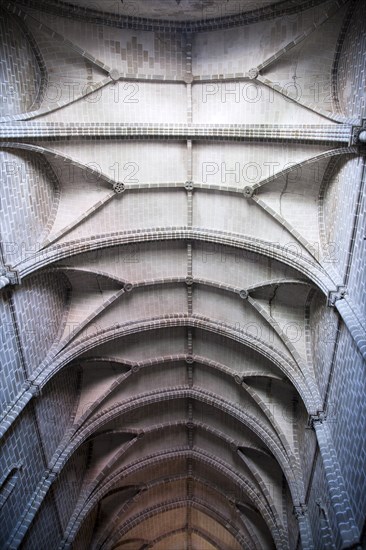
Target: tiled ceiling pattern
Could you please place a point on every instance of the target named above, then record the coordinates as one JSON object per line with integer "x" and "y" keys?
{"x": 175, "y": 10}
{"x": 177, "y": 220}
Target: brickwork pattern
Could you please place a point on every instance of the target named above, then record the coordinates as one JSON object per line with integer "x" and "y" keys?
{"x": 20, "y": 446}
{"x": 28, "y": 194}
{"x": 19, "y": 70}
{"x": 350, "y": 74}
{"x": 69, "y": 74}
{"x": 68, "y": 485}
{"x": 128, "y": 101}
{"x": 42, "y": 297}
{"x": 323, "y": 323}
{"x": 347, "y": 395}
{"x": 356, "y": 281}
{"x": 320, "y": 509}
{"x": 83, "y": 538}
{"x": 12, "y": 372}
{"x": 313, "y": 58}
{"x": 46, "y": 527}
{"x": 338, "y": 229}
{"x": 218, "y": 52}
{"x": 130, "y": 52}
{"x": 247, "y": 102}
{"x": 56, "y": 407}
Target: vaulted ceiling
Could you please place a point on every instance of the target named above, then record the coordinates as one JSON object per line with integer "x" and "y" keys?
{"x": 175, "y": 10}
{"x": 171, "y": 220}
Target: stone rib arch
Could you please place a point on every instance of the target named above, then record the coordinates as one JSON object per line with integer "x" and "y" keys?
{"x": 143, "y": 492}
{"x": 110, "y": 335}
{"x": 39, "y": 380}
{"x": 201, "y": 506}
{"x": 101, "y": 204}
{"x": 240, "y": 536}
{"x": 308, "y": 269}
{"x": 57, "y": 467}
{"x": 116, "y": 293}
{"x": 37, "y": 498}
{"x": 95, "y": 495}
{"x": 169, "y": 457}
{"x": 295, "y": 488}
{"x": 123, "y": 372}
{"x": 106, "y": 416}
{"x": 128, "y": 369}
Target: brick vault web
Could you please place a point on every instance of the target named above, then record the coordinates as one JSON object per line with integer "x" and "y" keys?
{"x": 182, "y": 274}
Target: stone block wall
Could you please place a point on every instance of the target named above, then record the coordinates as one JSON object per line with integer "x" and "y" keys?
{"x": 21, "y": 449}
{"x": 29, "y": 194}
{"x": 350, "y": 74}
{"x": 40, "y": 305}
{"x": 12, "y": 372}
{"x": 347, "y": 420}
{"x": 21, "y": 78}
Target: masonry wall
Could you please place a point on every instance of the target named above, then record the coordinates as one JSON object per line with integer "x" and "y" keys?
{"x": 356, "y": 281}
{"x": 350, "y": 75}
{"x": 56, "y": 408}
{"x": 20, "y": 73}
{"x": 84, "y": 535}
{"x": 339, "y": 208}
{"x": 320, "y": 510}
{"x": 41, "y": 297}
{"x": 347, "y": 420}
{"x": 323, "y": 327}
{"x": 29, "y": 193}
{"x": 68, "y": 485}
{"x": 21, "y": 448}
{"x": 45, "y": 527}
{"x": 12, "y": 372}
